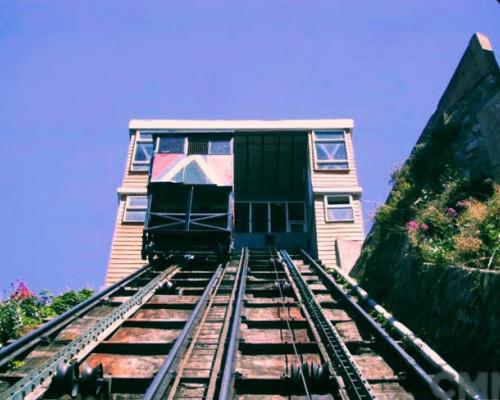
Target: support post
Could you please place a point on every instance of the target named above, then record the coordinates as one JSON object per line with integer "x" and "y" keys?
{"x": 189, "y": 206}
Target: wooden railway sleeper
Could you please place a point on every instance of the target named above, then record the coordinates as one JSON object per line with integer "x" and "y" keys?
{"x": 161, "y": 382}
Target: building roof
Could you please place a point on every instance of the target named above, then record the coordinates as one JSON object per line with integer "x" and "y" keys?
{"x": 290, "y": 124}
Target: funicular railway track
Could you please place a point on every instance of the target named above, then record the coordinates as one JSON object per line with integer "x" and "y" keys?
{"x": 266, "y": 325}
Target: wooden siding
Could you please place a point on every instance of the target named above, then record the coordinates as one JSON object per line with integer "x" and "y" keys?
{"x": 328, "y": 232}
{"x": 125, "y": 254}
{"x": 333, "y": 182}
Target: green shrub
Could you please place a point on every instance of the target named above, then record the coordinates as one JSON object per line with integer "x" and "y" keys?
{"x": 24, "y": 310}
{"x": 10, "y": 320}
{"x": 70, "y": 299}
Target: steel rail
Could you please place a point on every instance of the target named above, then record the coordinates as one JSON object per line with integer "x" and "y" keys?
{"x": 85, "y": 343}
{"x": 408, "y": 361}
{"x": 217, "y": 366}
{"x": 227, "y": 375}
{"x": 159, "y": 386}
{"x": 356, "y": 385}
{"x": 24, "y": 343}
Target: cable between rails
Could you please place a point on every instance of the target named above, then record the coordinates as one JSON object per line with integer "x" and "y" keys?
{"x": 292, "y": 333}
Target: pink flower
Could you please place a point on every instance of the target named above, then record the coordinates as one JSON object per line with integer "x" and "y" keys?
{"x": 461, "y": 203}
{"x": 21, "y": 292}
{"x": 424, "y": 227}
{"x": 452, "y": 213}
{"x": 412, "y": 226}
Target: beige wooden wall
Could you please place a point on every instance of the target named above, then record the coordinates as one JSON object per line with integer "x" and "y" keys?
{"x": 335, "y": 182}
{"x": 125, "y": 254}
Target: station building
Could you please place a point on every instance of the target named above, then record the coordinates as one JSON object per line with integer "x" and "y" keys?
{"x": 295, "y": 184}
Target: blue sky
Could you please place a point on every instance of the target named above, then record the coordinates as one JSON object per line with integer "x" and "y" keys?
{"x": 72, "y": 74}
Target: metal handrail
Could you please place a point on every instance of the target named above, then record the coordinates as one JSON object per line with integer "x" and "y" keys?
{"x": 158, "y": 387}
{"x": 227, "y": 375}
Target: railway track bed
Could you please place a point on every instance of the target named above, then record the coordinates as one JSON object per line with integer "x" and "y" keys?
{"x": 265, "y": 325}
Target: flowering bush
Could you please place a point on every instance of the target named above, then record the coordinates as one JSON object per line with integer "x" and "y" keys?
{"x": 24, "y": 310}
{"x": 466, "y": 232}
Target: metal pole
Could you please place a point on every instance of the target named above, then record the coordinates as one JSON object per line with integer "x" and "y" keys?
{"x": 189, "y": 206}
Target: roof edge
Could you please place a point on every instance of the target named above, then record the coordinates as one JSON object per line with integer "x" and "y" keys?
{"x": 306, "y": 124}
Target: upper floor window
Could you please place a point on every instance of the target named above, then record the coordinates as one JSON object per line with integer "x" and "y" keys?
{"x": 143, "y": 150}
{"x": 338, "y": 208}
{"x": 174, "y": 145}
{"x": 135, "y": 209}
{"x": 330, "y": 150}
{"x": 196, "y": 144}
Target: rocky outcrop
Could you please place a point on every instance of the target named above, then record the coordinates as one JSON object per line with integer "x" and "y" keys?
{"x": 453, "y": 308}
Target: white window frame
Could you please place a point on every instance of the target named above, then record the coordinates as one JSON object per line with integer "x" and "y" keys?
{"x": 136, "y": 165}
{"x": 318, "y": 162}
{"x": 128, "y": 207}
{"x": 331, "y": 206}
{"x": 288, "y": 222}
{"x": 157, "y": 144}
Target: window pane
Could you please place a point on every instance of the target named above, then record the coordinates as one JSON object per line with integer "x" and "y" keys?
{"x": 340, "y": 214}
{"x": 241, "y": 217}
{"x": 259, "y": 217}
{"x": 278, "y": 217}
{"x": 220, "y": 147}
{"x": 138, "y": 201}
{"x": 335, "y": 135}
{"x": 296, "y": 211}
{"x": 332, "y": 200}
{"x": 171, "y": 145}
{"x": 143, "y": 151}
{"x": 295, "y": 227}
{"x": 331, "y": 151}
{"x": 135, "y": 216}
{"x": 333, "y": 166}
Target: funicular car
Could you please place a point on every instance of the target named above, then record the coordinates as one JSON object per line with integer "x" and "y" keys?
{"x": 190, "y": 195}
